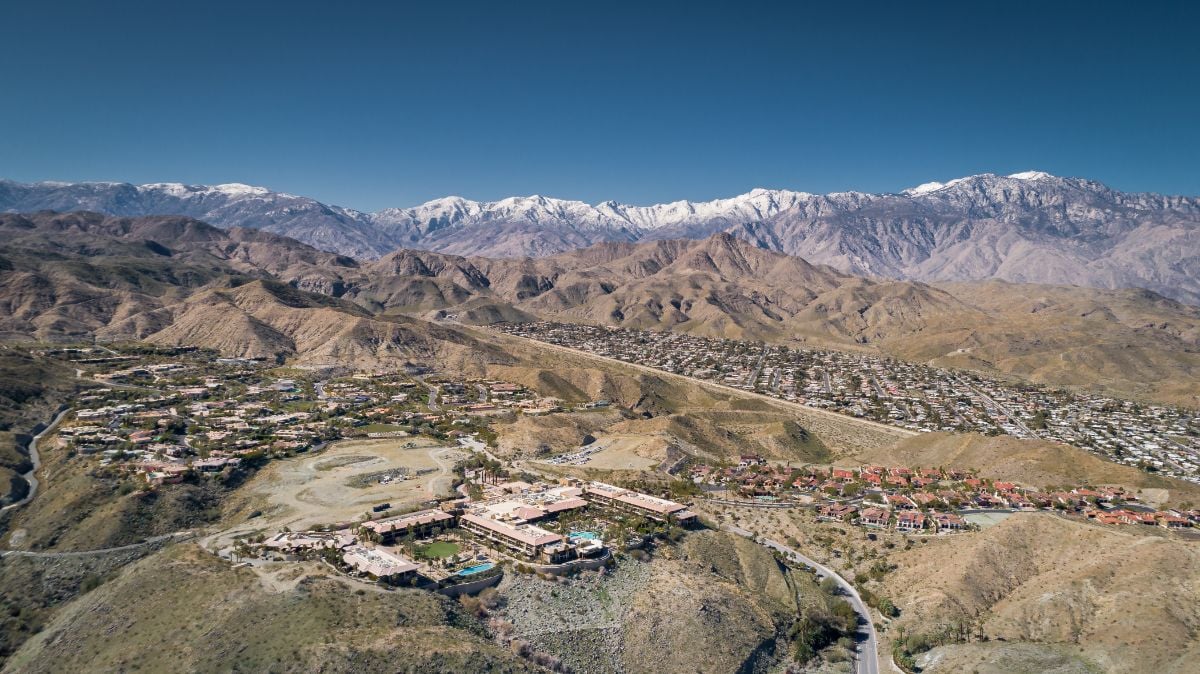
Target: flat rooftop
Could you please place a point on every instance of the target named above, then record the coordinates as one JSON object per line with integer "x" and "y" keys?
{"x": 527, "y": 534}
{"x": 635, "y": 498}
{"x": 420, "y": 518}
{"x": 377, "y": 561}
{"x": 531, "y": 505}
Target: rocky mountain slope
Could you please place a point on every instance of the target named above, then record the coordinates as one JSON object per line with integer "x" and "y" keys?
{"x": 221, "y": 619}
{"x": 715, "y": 603}
{"x": 718, "y": 286}
{"x": 247, "y": 292}
{"x": 1116, "y": 601}
{"x": 1131, "y": 341}
{"x": 1027, "y": 227}
{"x": 230, "y": 205}
{"x": 175, "y": 280}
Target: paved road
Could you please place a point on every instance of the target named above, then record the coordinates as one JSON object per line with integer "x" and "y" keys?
{"x": 101, "y": 551}
{"x": 1012, "y": 418}
{"x": 478, "y": 446}
{"x": 753, "y": 377}
{"x": 36, "y": 460}
{"x": 878, "y": 389}
{"x": 867, "y": 660}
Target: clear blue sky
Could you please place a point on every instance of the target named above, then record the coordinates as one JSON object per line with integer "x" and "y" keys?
{"x": 370, "y": 105}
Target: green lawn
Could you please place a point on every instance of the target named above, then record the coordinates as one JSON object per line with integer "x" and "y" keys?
{"x": 382, "y": 428}
{"x": 299, "y": 405}
{"x": 438, "y": 550}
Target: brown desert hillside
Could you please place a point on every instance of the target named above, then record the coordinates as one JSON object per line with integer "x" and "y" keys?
{"x": 78, "y": 274}
{"x": 1116, "y": 601}
{"x": 219, "y": 619}
{"x": 267, "y": 319}
{"x": 712, "y": 604}
{"x": 1125, "y": 341}
{"x": 1129, "y": 342}
{"x": 173, "y": 280}
{"x": 31, "y": 390}
{"x": 656, "y": 420}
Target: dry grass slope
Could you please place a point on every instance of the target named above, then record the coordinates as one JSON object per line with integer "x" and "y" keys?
{"x": 185, "y": 610}
{"x": 1123, "y": 601}
{"x": 714, "y": 610}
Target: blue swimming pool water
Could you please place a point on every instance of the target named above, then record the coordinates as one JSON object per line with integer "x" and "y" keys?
{"x": 478, "y": 568}
{"x": 584, "y": 535}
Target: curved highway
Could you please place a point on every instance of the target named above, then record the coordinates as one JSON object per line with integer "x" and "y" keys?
{"x": 867, "y": 656}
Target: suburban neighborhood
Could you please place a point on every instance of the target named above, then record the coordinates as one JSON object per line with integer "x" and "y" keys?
{"x": 907, "y": 395}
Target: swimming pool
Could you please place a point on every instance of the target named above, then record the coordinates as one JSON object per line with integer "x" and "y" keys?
{"x": 478, "y": 568}
{"x": 584, "y": 536}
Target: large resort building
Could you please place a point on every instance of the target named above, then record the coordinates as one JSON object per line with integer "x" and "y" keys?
{"x": 637, "y": 503}
{"x": 524, "y": 502}
{"x": 529, "y": 540}
{"x": 419, "y": 523}
{"x": 506, "y": 522}
{"x": 379, "y": 564}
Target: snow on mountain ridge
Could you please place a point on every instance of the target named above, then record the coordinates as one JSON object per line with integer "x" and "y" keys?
{"x": 934, "y": 186}
{"x": 1031, "y": 175}
{"x": 1028, "y": 226}
{"x": 759, "y": 203}
{"x": 227, "y": 189}
{"x": 451, "y": 211}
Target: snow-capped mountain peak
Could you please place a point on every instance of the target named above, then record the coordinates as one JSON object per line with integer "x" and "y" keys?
{"x": 757, "y": 204}
{"x": 934, "y": 186}
{"x": 1027, "y": 226}
{"x": 1031, "y": 175}
{"x": 232, "y": 190}
{"x": 925, "y": 188}
{"x": 241, "y": 189}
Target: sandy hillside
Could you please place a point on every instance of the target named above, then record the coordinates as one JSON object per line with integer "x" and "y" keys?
{"x": 1125, "y": 601}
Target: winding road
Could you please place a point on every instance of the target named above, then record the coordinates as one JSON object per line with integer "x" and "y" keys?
{"x": 867, "y": 655}
{"x": 178, "y": 535}
{"x": 36, "y": 460}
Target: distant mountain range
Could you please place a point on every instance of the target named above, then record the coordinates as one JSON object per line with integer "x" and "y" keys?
{"x": 245, "y": 292}
{"x": 1026, "y": 227}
